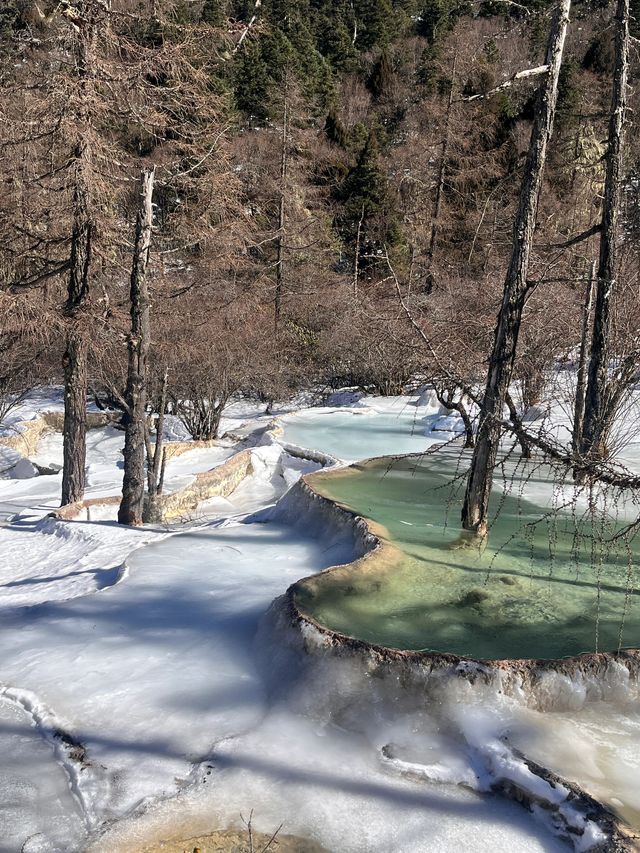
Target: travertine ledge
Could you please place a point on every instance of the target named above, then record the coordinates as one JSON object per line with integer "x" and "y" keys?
{"x": 542, "y": 684}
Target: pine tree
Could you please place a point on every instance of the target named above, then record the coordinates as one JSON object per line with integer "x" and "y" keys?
{"x": 365, "y": 187}
{"x": 214, "y": 12}
{"x": 381, "y": 76}
{"x": 375, "y": 23}
{"x": 252, "y": 83}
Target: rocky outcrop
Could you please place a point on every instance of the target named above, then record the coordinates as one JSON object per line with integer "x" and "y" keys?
{"x": 218, "y": 482}
{"x": 27, "y": 434}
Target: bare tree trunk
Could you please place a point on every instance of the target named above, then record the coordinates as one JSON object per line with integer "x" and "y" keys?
{"x": 74, "y": 362}
{"x": 282, "y": 209}
{"x": 583, "y": 358}
{"x": 356, "y": 259}
{"x": 476, "y": 502}
{"x": 75, "y": 356}
{"x": 132, "y": 504}
{"x": 156, "y": 460}
{"x": 74, "y": 430}
{"x": 593, "y": 433}
{"x": 437, "y": 209}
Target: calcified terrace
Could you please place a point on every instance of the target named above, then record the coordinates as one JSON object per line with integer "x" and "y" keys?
{"x": 538, "y": 595}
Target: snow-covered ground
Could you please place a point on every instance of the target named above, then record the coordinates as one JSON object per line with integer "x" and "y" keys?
{"x": 143, "y": 694}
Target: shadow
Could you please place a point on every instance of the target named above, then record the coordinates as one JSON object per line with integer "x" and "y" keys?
{"x": 389, "y": 794}
{"x": 103, "y": 577}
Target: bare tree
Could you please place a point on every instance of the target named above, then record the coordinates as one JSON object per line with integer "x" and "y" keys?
{"x": 132, "y": 504}
{"x": 603, "y": 393}
{"x": 476, "y": 501}
{"x": 583, "y": 360}
{"x": 282, "y": 201}
{"x": 156, "y": 458}
{"x": 85, "y": 17}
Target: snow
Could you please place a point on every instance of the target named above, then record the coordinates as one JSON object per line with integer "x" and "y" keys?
{"x": 144, "y": 691}
{"x": 30, "y": 774}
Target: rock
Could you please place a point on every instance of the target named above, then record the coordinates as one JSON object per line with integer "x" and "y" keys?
{"x": 23, "y": 470}
{"x": 473, "y": 597}
{"x": 48, "y": 470}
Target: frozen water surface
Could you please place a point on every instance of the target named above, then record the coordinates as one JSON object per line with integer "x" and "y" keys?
{"x": 140, "y": 696}
{"x": 379, "y": 427}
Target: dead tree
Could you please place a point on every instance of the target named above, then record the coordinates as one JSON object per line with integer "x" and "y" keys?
{"x": 75, "y": 357}
{"x": 583, "y": 359}
{"x": 282, "y": 209}
{"x": 442, "y": 172}
{"x": 356, "y": 258}
{"x": 446, "y": 398}
{"x": 132, "y": 504}
{"x": 156, "y": 459}
{"x": 598, "y": 413}
{"x": 476, "y": 502}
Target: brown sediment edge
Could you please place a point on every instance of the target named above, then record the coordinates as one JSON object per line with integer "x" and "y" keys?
{"x": 220, "y": 481}
{"x": 599, "y": 673}
{"x": 27, "y": 434}
{"x": 372, "y": 550}
{"x": 230, "y": 841}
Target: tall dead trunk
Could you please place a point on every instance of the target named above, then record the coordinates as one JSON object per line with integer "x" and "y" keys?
{"x": 583, "y": 358}
{"x": 356, "y": 258}
{"x": 156, "y": 460}
{"x": 476, "y": 501}
{"x": 442, "y": 172}
{"x": 282, "y": 209}
{"x": 593, "y": 441}
{"x": 78, "y": 284}
{"x": 74, "y": 430}
{"x": 132, "y": 504}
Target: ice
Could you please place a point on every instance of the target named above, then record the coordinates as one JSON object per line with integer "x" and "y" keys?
{"x": 29, "y": 774}
{"x": 143, "y": 691}
{"x": 376, "y": 427}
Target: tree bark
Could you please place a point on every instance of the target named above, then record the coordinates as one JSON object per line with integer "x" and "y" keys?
{"x": 75, "y": 356}
{"x": 583, "y": 358}
{"x": 282, "y": 209}
{"x": 594, "y": 437}
{"x": 442, "y": 171}
{"x": 156, "y": 460}
{"x": 132, "y": 505}
{"x": 74, "y": 430}
{"x": 476, "y": 502}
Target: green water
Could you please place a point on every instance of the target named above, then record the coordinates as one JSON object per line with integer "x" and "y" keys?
{"x": 532, "y": 593}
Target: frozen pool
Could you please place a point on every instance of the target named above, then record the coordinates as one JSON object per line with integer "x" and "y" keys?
{"x": 382, "y": 427}
{"x": 535, "y": 591}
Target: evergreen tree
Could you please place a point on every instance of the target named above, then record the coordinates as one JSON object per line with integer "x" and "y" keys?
{"x": 214, "y": 12}
{"x": 375, "y": 21}
{"x": 334, "y": 129}
{"x": 252, "y": 83}
{"x": 381, "y": 76}
{"x": 365, "y": 187}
